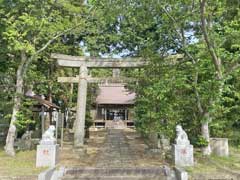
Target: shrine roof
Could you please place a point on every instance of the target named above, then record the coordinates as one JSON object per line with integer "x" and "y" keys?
{"x": 115, "y": 94}
{"x": 44, "y": 102}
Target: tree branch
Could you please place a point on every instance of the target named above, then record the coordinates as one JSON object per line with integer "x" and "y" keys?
{"x": 233, "y": 68}
{"x": 199, "y": 105}
{"x": 216, "y": 60}
{"x": 45, "y": 46}
{"x": 180, "y": 35}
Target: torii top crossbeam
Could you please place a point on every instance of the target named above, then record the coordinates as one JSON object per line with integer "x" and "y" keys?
{"x": 93, "y": 62}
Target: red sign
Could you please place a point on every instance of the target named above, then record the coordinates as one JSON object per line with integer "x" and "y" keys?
{"x": 184, "y": 151}
{"x": 45, "y": 152}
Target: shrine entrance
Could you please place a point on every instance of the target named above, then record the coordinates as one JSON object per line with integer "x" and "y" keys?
{"x": 112, "y": 113}
{"x": 84, "y": 63}
{"x": 114, "y": 103}
{"x": 116, "y": 114}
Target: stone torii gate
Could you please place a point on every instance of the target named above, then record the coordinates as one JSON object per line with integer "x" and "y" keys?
{"x": 92, "y": 62}
{"x": 84, "y": 63}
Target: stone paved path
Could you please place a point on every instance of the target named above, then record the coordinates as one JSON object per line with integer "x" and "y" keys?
{"x": 121, "y": 154}
{"x": 114, "y": 148}
{"x": 116, "y": 151}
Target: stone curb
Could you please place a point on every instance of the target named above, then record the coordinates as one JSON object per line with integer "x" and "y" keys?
{"x": 57, "y": 174}
{"x": 31, "y": 177}
{"x": 47, "y": 174}
{"x": 180, "y": 173}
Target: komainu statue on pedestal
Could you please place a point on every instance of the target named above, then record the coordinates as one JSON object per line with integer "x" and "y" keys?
{"x": 182, "y": 137}
{"x": 48, "y": 136}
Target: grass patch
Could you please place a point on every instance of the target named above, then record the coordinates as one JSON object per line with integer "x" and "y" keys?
{"x": 23, "y": 164}
{"x": 203, "y": 165}
{"x": 232, "y": 162}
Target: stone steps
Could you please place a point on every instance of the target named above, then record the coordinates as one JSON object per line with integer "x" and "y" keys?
{"x": 67, "y": 145}
{"x": 119, "y": 124}
{"x": 19, "y": 178}
{"x": 143, "y": 173}
{"x": 115, "y": 178}
{"x": 70, "y": 143}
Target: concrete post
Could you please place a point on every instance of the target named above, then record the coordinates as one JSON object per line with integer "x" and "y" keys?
{"x": 105, "y": 114}
{"x": 81, "y": 108}
{"x": 126, "y": 114}
{"x": 42, "y": 120}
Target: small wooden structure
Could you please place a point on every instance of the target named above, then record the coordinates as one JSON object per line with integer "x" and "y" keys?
{"x": 114, "y": 103}
{"x": 43, "y": 106}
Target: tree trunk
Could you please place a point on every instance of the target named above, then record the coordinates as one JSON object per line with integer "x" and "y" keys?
{"x": 218, "y": 67}
{"x": 205, "y": 133}
{"x": 204, "y": 126}
{"x": 212, "y": 50}
{"x": 21, "y": 71}
{"x": 9, "y": 147}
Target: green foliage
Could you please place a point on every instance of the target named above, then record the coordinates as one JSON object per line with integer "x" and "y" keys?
{"x": 23, "y": 123}
{"x": 37, "y": 29}
{"x": 169, "y": 91}
{"x": 25, "y": 117}
{"x": 200, "y": 141}
{"x": 91, "y": 98}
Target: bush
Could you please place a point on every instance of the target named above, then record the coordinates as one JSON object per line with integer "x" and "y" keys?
{"x": 199, "y": 141}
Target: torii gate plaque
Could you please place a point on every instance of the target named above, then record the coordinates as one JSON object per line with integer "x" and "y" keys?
{"x": 84, "y": 63}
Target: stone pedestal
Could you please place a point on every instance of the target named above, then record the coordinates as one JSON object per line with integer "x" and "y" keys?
{"x": 183, "y": 155}
{"x": 219, "y": 146}
{"x": 182, "y": 149}
{"x": 165, "y": 144}
{"x": 47, "y": 155}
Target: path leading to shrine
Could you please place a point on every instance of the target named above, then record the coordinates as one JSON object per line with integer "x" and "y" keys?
{"x": 112, "y": 148}
{"x": 115, "y": 154}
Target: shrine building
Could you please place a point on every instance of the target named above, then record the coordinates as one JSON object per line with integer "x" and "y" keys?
{"x": 114, "y": 105}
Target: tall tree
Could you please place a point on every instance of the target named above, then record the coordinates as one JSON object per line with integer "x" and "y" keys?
{"x": 30, "y": 27}
{"x": 206, "y": 32}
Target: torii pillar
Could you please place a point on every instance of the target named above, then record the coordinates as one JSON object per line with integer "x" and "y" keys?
{"x": 79, "y": 129}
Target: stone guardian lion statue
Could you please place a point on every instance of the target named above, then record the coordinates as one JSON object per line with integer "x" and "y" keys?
{"x": 48, "y": 135}
{"x": 182, "y": 137}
